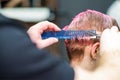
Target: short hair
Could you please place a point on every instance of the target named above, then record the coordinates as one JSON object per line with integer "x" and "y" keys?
{"x": 87, "y": 20}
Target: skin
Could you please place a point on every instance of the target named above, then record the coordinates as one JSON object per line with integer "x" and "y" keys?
{"x": 109, "y": 66}
{"x": 83, "y": 68}
{"x": 85, "y": 52}
{"x": 91, "y": 59}
{"x": 36, "y": 30}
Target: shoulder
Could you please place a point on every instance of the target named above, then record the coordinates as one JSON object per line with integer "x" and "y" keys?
{"x": 5, "y": 21}
{"x": 24, "y": 58}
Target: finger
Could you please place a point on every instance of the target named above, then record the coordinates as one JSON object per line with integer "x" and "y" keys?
{"x": 46, "y": 42}
{"x": 106, "y": 31}
{"x": 45, "y": 25}
{"x": 54, "y": 27}
{"x": 115, "y": 29}
{"x": 33, "y": 34}
{"x": 104, "y": 34}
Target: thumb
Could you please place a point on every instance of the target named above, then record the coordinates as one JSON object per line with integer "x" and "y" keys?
{"x": 46, "y": 42}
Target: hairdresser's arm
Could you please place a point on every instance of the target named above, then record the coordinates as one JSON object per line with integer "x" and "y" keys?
{"x": 21, "y": 60}
{"x": 36, "y": 30}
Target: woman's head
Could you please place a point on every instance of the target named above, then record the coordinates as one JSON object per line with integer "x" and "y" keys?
{"x": 88, "y": 20}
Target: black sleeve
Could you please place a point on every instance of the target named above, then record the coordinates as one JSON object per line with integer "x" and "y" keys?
{"x": 21, "y": 60}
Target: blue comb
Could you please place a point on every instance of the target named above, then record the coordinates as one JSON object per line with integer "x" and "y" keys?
{"x": 69, "y": 34}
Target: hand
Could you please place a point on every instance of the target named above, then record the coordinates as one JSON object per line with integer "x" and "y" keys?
{"x": 36, "y": 30}
{"x": 110, "y": 41}
{"x": 109, "y": 66}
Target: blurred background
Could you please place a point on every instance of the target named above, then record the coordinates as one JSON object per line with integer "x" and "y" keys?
{"x": 60, "y": 12}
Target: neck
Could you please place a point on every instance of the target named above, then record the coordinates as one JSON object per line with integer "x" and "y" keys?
{"x": 75, "y": 61}
{"x": 85, "y": 63}
{"x": 89, "y": 64}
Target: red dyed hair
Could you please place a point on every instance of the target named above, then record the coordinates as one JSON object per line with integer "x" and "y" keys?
{"x": 91, "y": 19}
{"x": 87, "y": 20}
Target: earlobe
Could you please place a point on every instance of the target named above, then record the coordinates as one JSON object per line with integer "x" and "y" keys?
{"x": 95, "y": 51}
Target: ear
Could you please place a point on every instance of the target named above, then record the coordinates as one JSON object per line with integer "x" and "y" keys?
{"x": 95, "y": 50}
